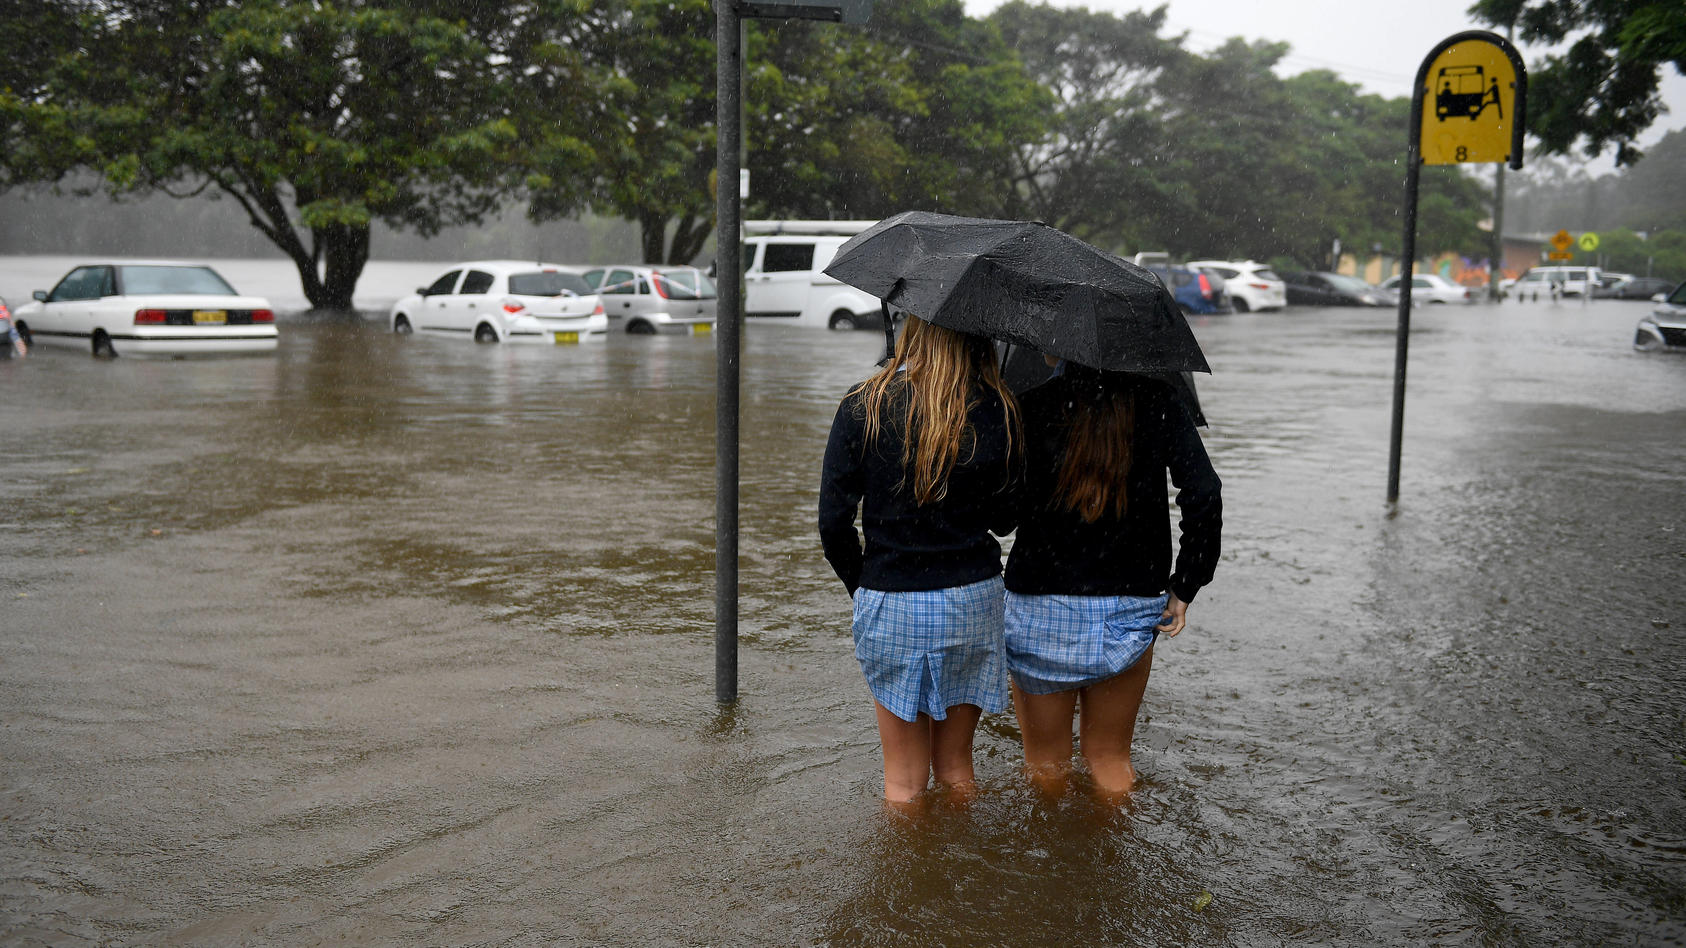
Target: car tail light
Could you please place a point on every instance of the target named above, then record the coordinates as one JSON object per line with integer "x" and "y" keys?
{"x": 1259, "y": 286}
{"x": 263, "y": 316}
{"x": 145, "y": 316}
{"x": 661, "y": 285}
{"x": 1205, "y": 286}
{"x": 513, "y": 306}
{"x": 4, "y": 314}
{"x": 598, "y": 310}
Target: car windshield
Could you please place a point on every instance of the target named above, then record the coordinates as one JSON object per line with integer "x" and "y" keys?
{"x": 686, "y": 284}
{"x": 146, "y": 280}
{"x": 1350, "y": 284}
{"x": 549, "y": 283}
{"x": 1267, "y": 274}
{"x": 1679, "y": 295}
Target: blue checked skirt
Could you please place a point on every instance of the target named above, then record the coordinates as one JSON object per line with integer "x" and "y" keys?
{"x": 1057, "y": 643}
{"x": 925, "y": 652}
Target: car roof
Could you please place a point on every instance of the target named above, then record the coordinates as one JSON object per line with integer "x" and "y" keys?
{"x": 510, "y": 265}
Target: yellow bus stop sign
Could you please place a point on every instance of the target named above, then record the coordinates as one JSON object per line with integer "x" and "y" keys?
{"x": 1469, "y": 93}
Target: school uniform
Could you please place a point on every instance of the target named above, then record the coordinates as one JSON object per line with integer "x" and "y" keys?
{"x": 1083, "y": 597}
{"x": 927, "y": 585}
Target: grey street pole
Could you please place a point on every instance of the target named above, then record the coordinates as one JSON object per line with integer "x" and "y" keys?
{"x": 728, "y": 336}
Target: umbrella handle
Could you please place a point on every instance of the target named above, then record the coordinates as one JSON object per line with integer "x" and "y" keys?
{"x": 889, "y": 330}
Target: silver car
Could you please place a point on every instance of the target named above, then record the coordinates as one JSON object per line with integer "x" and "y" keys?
{"x": 1665, "y": 328}
{"x": 649, "y": 299}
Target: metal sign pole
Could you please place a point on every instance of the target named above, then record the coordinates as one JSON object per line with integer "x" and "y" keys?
{"x": 728, "y": 323}
{"x": 1402, "y": 339}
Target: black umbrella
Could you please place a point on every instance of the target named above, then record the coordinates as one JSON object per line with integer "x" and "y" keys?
{"x": 1025, "y": 283}
{"x": 1023, "y": 369}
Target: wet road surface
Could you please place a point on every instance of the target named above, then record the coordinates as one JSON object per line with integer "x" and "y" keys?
{"x": 404, "y": 640}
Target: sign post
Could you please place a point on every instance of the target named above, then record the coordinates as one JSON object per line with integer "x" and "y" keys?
{"x": 1467, "y": 107}
{"x": 728, "y": 43}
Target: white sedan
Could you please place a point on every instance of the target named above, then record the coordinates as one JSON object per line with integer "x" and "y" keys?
{"x": 147, "y": 308}
{"x": 504, "y": 301}
{"x": 1431, "y": 288}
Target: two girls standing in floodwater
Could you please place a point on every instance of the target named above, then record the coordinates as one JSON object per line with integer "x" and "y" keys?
{"x": 932, "y": 447}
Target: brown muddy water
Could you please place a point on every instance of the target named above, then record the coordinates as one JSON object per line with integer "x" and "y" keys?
{"x": 401, "y": 640}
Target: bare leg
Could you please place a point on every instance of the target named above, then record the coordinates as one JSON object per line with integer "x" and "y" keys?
{"x": 907, "y": 754}
{"x": 1045, "y": 723}
{"x": 951, "y": 749}
{"x": 1108, "y": 724}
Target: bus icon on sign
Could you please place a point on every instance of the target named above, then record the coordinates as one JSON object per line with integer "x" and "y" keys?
{"x": 1465, "y": 92}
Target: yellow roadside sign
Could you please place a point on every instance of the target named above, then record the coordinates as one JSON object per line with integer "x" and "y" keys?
{"x": 1588, "y": 242}
{"x": 1561, "y": 240}
{"x": 1469, "y": 112}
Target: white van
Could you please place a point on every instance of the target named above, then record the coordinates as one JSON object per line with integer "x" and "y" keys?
{"x": 782, "y": 263}
{"x": 1569, "y": 281}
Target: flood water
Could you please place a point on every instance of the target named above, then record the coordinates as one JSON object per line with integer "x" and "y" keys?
{"x": 405, "y": 640}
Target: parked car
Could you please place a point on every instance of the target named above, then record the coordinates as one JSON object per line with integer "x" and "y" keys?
{"x": 504, "y": 301}
{"x": 1635, "y": 288}
{"x": 650, "y": 300}
{"x": 1430, "y": 288}
{"x": 1665, "y": 328}
{"x": 1251, "y": 286}
{"x": 1321, "y": 288}
{"x": 1196, "y": 291}
{"x": 1568, "y": 281}
{"x": 147, "y": 308}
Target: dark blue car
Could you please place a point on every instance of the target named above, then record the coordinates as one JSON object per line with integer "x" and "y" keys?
{"x": 1196, "y": 290}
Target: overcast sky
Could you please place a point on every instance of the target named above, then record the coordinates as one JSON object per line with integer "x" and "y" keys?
{"x": 1376, "y": 46}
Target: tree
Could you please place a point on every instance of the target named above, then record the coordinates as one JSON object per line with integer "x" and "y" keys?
{"x": 316, "y": 118}
{"x": 1604, "y": 87}
{"x": 1091, "y": 174}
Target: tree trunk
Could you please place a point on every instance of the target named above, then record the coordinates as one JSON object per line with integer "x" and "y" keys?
{"x": 652, "y": 235}
{"x": 689, "y": 237}
{"x": 344, "y": 249}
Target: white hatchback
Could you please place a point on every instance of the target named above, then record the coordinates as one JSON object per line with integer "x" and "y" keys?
{"x": 1251, "y": 286}
{"x": 147, "y": 308}
{"x": 675, "y": 300}
{"x": 504, "y": 301}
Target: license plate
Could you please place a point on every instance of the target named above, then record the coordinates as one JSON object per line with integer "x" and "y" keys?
{"x": 563, "y": 338}
{"x": 213, "y": 317}
{"x": 701, "y": 329}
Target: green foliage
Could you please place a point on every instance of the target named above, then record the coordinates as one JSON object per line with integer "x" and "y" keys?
{"x": 1604, "y": 88}
{"x": 318, "y": 119}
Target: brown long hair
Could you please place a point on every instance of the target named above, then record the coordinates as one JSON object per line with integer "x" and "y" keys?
{"x": 943, "y": 370}
{"x": 1093, "y": 467}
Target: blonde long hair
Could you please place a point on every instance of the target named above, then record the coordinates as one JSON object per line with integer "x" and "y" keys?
{"x": 943, "y": 370}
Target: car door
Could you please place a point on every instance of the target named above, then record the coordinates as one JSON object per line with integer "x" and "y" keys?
{"x": 435, "y": 305}
{"x": 780, "y": 286}
{"x": 470, "y": 305}
{"x": 619, "y": 292}
{"x": 68, "y": 310}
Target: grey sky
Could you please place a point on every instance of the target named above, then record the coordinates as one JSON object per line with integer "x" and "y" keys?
{"x": 1377, "y": 46}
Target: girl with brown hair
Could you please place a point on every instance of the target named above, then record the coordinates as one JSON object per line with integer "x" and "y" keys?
{"x": 1090, "y": 583}
{"x": 925, "y": 450}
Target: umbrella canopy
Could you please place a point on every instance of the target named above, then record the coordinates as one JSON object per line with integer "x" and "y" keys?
{"x": 1023, "y": 369}
{"x": 1025, "y": 283}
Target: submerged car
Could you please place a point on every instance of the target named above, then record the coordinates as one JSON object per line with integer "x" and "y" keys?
{"x": 1430, "y": 288}
{"x": 1634, "y": 288}
{"x": 147, "y": 308}
{"x": 650, "y": 300}
{"x": 1320, "y": 288}
{"x": 1665, "y": 328}
{"x": 1251, "y": 286}
{"x": 504, "y": 301}
{"x": 1196, "y": 291}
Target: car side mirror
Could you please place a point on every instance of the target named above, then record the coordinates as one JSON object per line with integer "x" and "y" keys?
{"x": 1660, "y": 297}
{"x": 421, "y": 290}
{"x": 40, "y": 295}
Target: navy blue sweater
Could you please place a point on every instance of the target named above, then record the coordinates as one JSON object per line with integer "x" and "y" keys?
{"x": 912, "y": 546}
{"x": 1057, "y": 553}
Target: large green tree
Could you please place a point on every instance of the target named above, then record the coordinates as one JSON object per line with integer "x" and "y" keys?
{"x": 1603, "y": 90}
{"x": 316, "y": 118}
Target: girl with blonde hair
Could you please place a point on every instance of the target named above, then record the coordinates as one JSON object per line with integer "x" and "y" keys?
{"x": 925, "y": 450}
